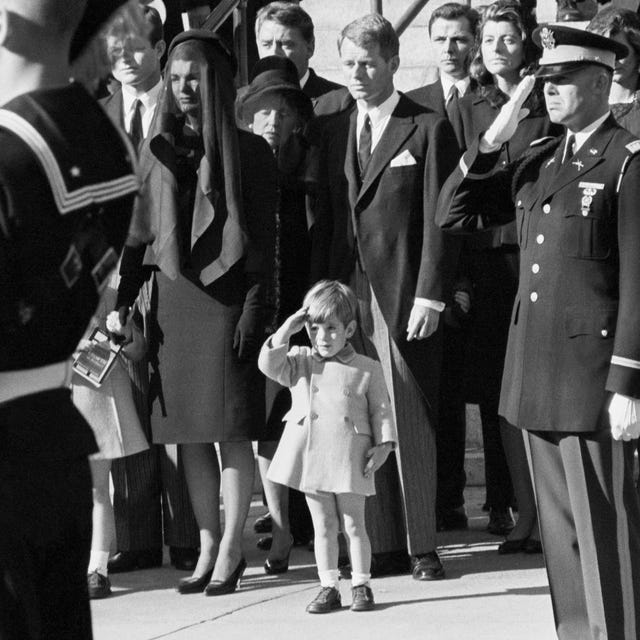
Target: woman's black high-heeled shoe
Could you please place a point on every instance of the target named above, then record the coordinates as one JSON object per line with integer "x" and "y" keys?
{"x": 194, "y": 585}
{"x": 279, "y": 565}
{"x": 222, "y": 587}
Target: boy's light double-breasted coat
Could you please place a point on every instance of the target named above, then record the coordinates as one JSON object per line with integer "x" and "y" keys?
{"x": 340, "y": 409}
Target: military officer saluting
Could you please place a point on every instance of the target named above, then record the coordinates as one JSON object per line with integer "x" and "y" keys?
{"x": 572, "y": 372}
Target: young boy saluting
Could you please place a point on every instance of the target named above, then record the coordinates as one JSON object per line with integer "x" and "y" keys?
{"x": 339, "y": 431}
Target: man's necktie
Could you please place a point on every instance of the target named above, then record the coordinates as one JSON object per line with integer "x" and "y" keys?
{"x": 135, "y": 132}
{"x": 364, "y": 146}
{"x": 452, "y": 104}
{"x": 569, "y": 149}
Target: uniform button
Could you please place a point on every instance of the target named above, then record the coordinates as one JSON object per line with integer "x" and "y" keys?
{"x": 539, "y": 238}
{"x": 314, "y": 389}
{"x": 535, "y": 268}
{"x": 314, "y": 416}
{"x": 533, "y": 297}
{"x": 519, "y": 203}
{"x": 604, "y": 333}
{"x": 546, "y": 208}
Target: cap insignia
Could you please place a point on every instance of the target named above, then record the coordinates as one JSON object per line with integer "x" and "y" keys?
{"x": 547, "y": 39}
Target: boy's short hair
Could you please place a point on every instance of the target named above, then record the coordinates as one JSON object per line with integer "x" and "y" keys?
{"x": 287, "y": 14}
{"x": 372, "y": 29}
{"x": 331, "y": 298}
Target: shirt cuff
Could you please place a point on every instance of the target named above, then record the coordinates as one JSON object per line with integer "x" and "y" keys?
{"x": 431, "y": 304}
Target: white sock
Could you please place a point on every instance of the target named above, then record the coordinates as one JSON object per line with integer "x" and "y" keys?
{"x": 99, "y": 561}
{"x": 329, "y": 578}
{"x": 358, "y": 579}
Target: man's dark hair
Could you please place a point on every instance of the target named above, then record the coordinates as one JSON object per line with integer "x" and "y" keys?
{"x": 456, "y": 11}
{"x": 122, "y": 28}
{"x": 289, "y": 15}
{"x": 372, "y": 29}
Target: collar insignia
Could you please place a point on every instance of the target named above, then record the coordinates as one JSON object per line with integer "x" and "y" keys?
{"x": 578, "y": 164}
{"x": 547, "y": 39}
{"x": 593, "y": 151}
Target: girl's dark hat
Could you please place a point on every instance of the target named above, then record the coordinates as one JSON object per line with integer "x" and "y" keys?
{"x": 567, "y": 48}
{"x": 206, "y": 36}
{"x": 95, "y": 15}
{"x": 275, "y": 74}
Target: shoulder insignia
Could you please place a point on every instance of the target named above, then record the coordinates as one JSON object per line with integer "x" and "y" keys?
{"x": 633, "y": 147}
{"x": 540, "y": 141}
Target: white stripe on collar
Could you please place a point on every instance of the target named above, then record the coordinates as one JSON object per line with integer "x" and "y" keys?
{"x": 65, "y": 200}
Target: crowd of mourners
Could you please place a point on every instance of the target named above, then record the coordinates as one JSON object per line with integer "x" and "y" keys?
{"x": 332, "y": 272}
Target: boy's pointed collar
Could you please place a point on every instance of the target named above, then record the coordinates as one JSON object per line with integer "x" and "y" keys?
{"x": 345, "y": 355}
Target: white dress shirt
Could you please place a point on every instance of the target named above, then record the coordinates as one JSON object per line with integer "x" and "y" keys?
{"x": 149, "y": 101}
{"x": 448, "y": 83}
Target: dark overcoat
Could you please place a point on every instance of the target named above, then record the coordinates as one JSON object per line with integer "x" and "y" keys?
{"x": 388, "y": 218}
{"x": 574, "y": 330}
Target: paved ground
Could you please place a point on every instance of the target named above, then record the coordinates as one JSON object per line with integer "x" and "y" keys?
{"x": 485, "y": 596}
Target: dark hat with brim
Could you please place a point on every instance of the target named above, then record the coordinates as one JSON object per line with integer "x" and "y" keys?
{"x": 96, "y": 13}
{"x": 205, "y": 35}
{"x": 566, "y": 49}
{"x": 274, "y": 74}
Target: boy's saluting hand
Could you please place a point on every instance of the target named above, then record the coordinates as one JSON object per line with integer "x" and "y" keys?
{"x": 290, "y": 327}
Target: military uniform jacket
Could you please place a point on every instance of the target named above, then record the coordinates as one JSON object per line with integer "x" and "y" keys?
{"x": 67, "y": 184}
{"x": 575, "y": 328}
{"x": 340, "y": 408}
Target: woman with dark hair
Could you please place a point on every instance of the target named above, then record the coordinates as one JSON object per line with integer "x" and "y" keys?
{"x": 623, "y": 25}
{"x": 208, "y": 222}
{"x": 505, "y": 53}
{"x": 275, "y": 108}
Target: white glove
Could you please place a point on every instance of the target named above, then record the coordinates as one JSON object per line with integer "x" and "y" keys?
{"x": 507, "y": 120}
{"x": 624, "y": 415}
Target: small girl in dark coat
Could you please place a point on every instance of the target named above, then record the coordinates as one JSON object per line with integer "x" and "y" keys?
{"x": 339, "y": 431}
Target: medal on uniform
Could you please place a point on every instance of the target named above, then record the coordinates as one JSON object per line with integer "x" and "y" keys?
{"x": 587, "y": 199}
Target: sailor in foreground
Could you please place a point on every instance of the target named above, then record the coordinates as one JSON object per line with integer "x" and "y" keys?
{"x": 67, "y": 184}
{"x": 572, "y": 372}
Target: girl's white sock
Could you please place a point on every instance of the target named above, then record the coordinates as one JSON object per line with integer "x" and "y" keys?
{"x": 99, "y": 561}
{"x": 358, "y": 579}
{"x": 329, "y": 578}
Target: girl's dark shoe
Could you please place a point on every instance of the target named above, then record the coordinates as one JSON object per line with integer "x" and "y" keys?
{"x": 98, "y": 585}
{"x": 327, "y": 600}
{"x": 194, "y": 585}
{"x": 222, "y": 587}
{"x": 263, "y": 524}
{"x": 512, "y": 546}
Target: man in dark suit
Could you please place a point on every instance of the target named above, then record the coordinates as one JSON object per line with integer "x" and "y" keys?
{"x": 381, "y": 167}
{"x": 286, "y": 29}
{"x": 571, "y": 377}
{"x": 452, "y": 31}
{"x": 140, "y": 480}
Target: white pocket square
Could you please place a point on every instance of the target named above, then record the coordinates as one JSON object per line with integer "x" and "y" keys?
{"x": 405, "y": 159}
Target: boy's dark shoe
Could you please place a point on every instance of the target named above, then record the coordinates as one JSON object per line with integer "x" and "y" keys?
{"x": 98, "y": 586}
{"x": 362, "y": 598}
{"x": 327, "y": 600}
